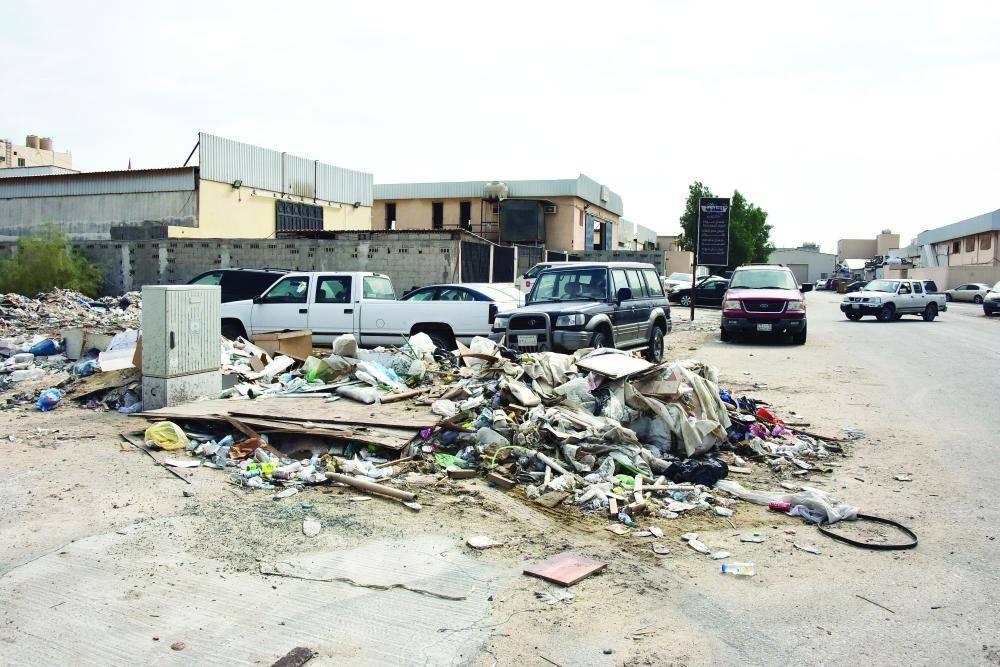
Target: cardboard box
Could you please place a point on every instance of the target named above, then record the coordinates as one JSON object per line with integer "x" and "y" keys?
{"x": 295, "y": 344}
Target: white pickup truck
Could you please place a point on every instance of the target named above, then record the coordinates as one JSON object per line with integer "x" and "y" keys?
{"x": 890, "y": 299}
{"x": 361, "y": 303}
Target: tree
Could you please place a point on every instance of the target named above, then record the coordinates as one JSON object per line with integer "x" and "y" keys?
{"x": 749, "y": 233}
{"x": 45, "y": 260}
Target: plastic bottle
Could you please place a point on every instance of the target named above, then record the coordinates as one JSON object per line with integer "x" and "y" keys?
{"x": 46, "y": 348}
{"x": 738, "y": 569}
{"x": 779, "y": 506}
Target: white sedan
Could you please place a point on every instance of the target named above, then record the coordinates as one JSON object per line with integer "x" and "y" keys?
{"x": 974, "y": 292}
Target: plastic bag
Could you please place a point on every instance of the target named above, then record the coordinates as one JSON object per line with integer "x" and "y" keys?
{"x": 49, "y": 399}
{"x": 166, "y": 435}
{"x": 707, "y": 471}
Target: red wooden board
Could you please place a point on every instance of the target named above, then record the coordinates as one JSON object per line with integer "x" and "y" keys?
{"x": 565, "y": 569}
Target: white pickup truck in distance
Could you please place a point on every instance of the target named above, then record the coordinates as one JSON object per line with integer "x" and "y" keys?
{"x": 362, "y": 303}
{"x": 890, "y": 299}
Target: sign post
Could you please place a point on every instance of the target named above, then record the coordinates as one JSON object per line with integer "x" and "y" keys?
{"x": 712, "y": 238}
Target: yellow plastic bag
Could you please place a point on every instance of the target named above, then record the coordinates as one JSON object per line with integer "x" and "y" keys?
{"x": 166, "y": 435}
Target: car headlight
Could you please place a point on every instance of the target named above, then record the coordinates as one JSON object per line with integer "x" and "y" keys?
{"x": 731, "y": 304}
{"x": 500, "y": 322}
{"x": 875, "y": 299}
{"x": 577, "y": 320}
{"x": 796, "y": 306}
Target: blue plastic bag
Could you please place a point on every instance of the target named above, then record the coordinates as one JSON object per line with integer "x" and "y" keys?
{"x": 46, "y": 348}
{"x": 49, "y": 399}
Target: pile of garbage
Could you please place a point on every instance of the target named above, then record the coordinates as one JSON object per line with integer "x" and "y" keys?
{"x": 58, "y": 309}
{"x": 600, "y": 429}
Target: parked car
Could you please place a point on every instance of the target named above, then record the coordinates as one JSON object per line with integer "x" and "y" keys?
{"x": 525, "y": 282}
{"x": 590, "y": 304}
{"x": 765, "y": 298}
{"x": 239, "y": 284}
{"x": 506, "y": 299}
{"x": 974, "y": 292}
{"x": 891, "y": 299}
{"x": 681, "y": 278}
{"x": 361, "y": 303}
{"x": 708, "y": 292}
{"x": 856, "y": 286}
{"x": 991, "y": 302}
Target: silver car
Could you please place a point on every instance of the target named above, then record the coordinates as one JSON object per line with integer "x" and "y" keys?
{"x": 974, "y": 292}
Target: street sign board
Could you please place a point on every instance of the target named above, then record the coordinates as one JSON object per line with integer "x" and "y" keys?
{"x": 713, "y": 231}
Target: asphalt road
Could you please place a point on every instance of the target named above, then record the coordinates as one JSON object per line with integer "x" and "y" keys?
{"x": 925, "y": 395}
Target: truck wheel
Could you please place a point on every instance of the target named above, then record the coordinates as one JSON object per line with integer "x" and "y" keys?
{"x": 654, "y": 351}
{"x": 887, "y": 313}
{"x": 799, "y": 338}
{"x": 600, "y": 339}
{"x": 930, "y": 312}
{"x": 233, "y": 330}
{"x": 977, "y": 299}
{"x": 854, "y": 317}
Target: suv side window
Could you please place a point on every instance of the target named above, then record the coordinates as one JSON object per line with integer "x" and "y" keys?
{"x": 636, "y": 283}
{"x": 904, "y": 288}
{"x": 619, "y": 281}
{"x": 653, "y": 283}
{"x": 918, "y": 288}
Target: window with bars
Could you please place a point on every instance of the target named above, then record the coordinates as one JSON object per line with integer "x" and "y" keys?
{"x": 297, "y": 217}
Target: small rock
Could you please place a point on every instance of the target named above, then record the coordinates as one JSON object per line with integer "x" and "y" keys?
{"x": 187, "y": 494}
{"x": 178, "y": 646}
{"x": 607, "y": 651}
{"x": 311, "y": 527}
{"x": 656, "y": 531}
{"x": 482, "y": 542}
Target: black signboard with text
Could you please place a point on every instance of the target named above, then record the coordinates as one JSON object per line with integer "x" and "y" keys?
{"x": 713, "y": 232}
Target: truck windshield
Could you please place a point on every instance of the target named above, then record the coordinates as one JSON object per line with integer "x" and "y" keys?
{"x": 763, "y": 279}
{"x": 882, "y": 286}
{"x": 377, "y": 287}
{"x": 576, "y": 285}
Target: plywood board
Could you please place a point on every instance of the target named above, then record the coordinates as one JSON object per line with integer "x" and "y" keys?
{"x": 565, "y": 568}
{"x": 316, "y": 410}
{"x": 613, "y": 365}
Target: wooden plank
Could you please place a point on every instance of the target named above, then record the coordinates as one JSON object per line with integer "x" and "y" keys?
{"x": 565, "y": 568}
{"x": 303, "y": 409}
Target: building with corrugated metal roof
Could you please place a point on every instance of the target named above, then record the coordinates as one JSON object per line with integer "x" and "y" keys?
{"x": 575, "y": 214}
{"x": 236, "y": 191}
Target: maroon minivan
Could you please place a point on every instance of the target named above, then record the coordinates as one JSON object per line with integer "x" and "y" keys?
{"x": 766, "y": 299}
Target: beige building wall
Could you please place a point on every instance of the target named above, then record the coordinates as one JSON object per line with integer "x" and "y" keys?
{"x": 228, "y": 212}
{"x": 564, "y": 229}
{"x": 886, "y": 242}
{"x": 13, "y": 153}
{"x": 975, "y": 250}
{"x": 674, "y": 259}
{"x": 857, "y": 248}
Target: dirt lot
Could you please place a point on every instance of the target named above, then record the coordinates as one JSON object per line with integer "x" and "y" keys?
{"x": 133, "y": 564}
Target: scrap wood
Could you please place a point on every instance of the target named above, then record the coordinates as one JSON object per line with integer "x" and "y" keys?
{"x": 297, "y": 657}
{"x": 103, "y": 382}
{"x": 277, "y": 570}
{"x": 367, "y": 485}
{"x": 565, "y": 568}
{"x": 135, "y": 439}
{"x": 392, "y": 398}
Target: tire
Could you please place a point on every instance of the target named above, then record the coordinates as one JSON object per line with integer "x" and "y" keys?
{"x": 800, "y": 338}
{"x": 654, "y": 349}
{"x": 725, "y": 336}
{"x": 233, "y": 330}
{"x": 930, "y": 312}
{"x": 978, "y": 300}
{"x": 854, "y": 317}
{"x": 686, "y": 301}
{"x": 887, "y": 313}
{"x": 947, "y": 297}
{"x": 600, "y": 338}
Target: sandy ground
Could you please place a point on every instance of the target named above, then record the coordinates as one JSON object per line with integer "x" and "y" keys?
{"x": 131, "y": 564}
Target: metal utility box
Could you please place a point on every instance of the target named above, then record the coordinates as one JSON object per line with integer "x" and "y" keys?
{"x": 181, "y": 330}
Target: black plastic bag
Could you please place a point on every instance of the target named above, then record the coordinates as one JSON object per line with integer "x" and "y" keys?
{"x": 697, "y": 471}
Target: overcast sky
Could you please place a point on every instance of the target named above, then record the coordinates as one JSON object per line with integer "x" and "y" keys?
{"x": 839, "y": 118}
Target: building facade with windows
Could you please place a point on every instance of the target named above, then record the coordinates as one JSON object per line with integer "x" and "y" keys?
{"x": 569, "y": 215}
{"x": 967, "y": 251}
{"x": 236, "y": 191}
{"x": 36, "y": 152}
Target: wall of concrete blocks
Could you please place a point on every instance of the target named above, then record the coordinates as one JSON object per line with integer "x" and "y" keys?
{"x": 410, "y": 262}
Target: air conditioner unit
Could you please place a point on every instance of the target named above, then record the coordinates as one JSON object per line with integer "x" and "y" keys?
{"x": 550, "y": 208}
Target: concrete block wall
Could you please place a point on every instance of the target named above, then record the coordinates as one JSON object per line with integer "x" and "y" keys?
{"x": 411, "y": 261}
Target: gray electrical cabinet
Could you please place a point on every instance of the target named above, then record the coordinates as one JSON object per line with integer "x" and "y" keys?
{"x": 181, "y": 331}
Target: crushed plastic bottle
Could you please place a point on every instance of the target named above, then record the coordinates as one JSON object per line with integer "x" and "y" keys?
{"x": 739, "y": 569}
